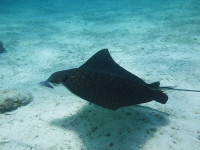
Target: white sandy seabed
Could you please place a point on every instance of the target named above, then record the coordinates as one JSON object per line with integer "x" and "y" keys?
{"x": 158, "y": 42}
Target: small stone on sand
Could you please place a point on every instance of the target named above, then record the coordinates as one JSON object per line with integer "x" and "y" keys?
{"x": 2, "y": 49}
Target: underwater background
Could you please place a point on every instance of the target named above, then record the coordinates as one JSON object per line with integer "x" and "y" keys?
{"x": 157, "y": 40}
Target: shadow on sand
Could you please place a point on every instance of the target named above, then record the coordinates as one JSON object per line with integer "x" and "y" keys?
{"x": 125, "y": 129}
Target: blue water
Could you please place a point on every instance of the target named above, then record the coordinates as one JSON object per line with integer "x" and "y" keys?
{"x": 158, "y": 40}
{"x": 115, "y": 19}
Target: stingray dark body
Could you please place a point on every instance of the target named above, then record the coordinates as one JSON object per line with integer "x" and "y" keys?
{"x": 103, "y": 82}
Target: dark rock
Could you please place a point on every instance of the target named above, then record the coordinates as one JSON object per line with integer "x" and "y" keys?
{"x": 12, "y": 99}
{"x": 2, "y": 49}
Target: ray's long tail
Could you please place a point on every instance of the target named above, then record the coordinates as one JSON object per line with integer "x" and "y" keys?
{"x": 156, "y": 85}
{"x": 174, "y": 88}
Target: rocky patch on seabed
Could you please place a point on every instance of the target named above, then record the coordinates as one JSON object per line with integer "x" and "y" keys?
{"x": 12, "y": 99}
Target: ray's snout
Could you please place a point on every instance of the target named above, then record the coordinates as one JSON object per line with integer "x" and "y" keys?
{"x": 45, "y": 84}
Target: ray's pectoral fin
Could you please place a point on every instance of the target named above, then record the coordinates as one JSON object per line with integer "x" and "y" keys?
{"x": 160, "y": 97}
